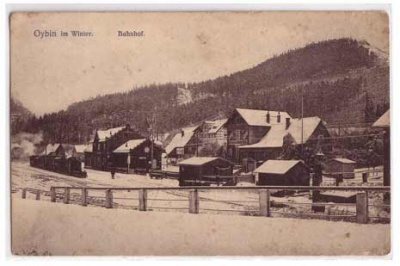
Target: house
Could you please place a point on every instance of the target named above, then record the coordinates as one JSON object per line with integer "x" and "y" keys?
{"x": 309, "y": 132}
{"x": 205, "y": 171}
{"x": 248, "y": 126}
{"x": 135, "y": 156}
{"x": 80, "y": 152}
{"x": 184, "y": 144}
{"x": 106, "y": 141}
{"x": 49, "y": 155}
{"x": 340, "y": 168}
{"x": 384, "y": 123}
{"x": 214, "y": 132}
{"x": 283, "y": 173}
{"x": 88, "y": 153}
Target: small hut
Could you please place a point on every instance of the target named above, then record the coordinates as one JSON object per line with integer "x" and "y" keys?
{"x": 205, "y": 171}
{"x": 283, "y": 173}
{"x": 340, "y": 168}
{"x": 135, "y": 156}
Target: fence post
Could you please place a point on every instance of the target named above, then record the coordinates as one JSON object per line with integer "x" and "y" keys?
{"x": 52, "y": 194}
{"x": 37, "y": 194}
{"x": 362, "y": 207}
{"x": 143, "y": 200}
{"x": 84, "y": 197}
{"x": 24, "y": 193}
{"x": 109, "y": 199}
{"x": 66, "y": 195}
{"x": 265, "y": 203}
{"x": 193, "y": 201}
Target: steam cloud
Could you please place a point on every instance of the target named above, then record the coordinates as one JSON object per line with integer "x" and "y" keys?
{"x": 24, "y": 145}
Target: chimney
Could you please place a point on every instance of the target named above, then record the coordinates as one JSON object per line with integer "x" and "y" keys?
{"x": 287, "y": 122}
{"x": 268, "y": 118}
{"x": 279, "y": 117}
{"x": 183, "y": 133}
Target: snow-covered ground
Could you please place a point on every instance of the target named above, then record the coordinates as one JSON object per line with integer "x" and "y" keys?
{"x": 44, "y": 228}
{"x": 41, "y": 227}
{"x": 244, "y": 202}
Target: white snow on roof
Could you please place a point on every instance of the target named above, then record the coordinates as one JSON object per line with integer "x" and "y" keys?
{"x": 217, "y": 124}
{"x": 274, "y": 137}
{"x": 259, "y": 117}
{"x": 50, "y": 148}
{"x": 180, "y": 141}
{"x": 343, "y": 160}
{"x": 103, "y": 134}
{"x": 80, "y": 148}
{"x": 89, "y": 147}
{"x": 197, "y": 160}
{"x": 130, "y": 144}
{"x": 383, "y": 121}
{"x": 276, "y": 166}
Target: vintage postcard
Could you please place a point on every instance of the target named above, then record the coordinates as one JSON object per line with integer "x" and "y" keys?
{"x": 200, "y": 133}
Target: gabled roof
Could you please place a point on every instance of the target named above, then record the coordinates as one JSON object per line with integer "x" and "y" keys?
{"x": 180, "y": 141}
{"x": 259, "y": 117}
{"x": 196, "y": 161}
{"x": 343, "y": 160}
{"x": 274, "y": 137}
{"x": 103, "y": 134}
{"x": 130, "y": 144}
{"x": 50, "y": 148}
{"x": 277, "y": 166}
{"x": 89, "y": 147}
{"x": 383, "y": 121}
{"x": 69, "y": 150}
{"x": 217, "y": 125}
{"x": 80, "y": 148}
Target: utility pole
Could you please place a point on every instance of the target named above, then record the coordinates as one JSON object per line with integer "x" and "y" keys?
{"x": 151, "y": 123}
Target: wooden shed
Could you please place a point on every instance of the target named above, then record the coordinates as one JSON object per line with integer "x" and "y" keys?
{"x": 135, "y": 156}
{"x": 283, "y": 173}
{"x": 205, "y": 171}
{"x": 340, "y": 168}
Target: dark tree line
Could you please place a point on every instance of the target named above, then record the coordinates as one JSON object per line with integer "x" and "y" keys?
{"x": 316, "y": 73}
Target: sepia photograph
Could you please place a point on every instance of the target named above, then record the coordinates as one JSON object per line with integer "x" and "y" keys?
{"x": 201, "y": 133}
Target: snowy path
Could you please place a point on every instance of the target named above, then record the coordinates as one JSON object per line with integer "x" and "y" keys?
{"x": 42, "y": 228}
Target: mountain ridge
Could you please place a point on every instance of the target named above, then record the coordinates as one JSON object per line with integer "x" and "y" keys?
{"x": 337, "y": 79}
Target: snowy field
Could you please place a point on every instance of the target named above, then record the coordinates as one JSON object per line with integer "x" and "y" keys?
{"x": 44, "y": 228}
{"x": 223, "y": 227}
{"x": 243, "y": 202}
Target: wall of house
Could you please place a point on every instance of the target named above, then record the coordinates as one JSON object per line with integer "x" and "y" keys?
{"x": 335, "y": 166}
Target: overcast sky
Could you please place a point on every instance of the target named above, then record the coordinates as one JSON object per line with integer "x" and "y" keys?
{"x": 48, "y": 74}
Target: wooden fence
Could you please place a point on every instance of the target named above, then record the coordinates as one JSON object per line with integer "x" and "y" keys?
{"x": 190, "y": 199}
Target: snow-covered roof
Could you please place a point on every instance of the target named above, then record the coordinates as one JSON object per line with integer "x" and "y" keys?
{"x": 343, "y": 160}
{"x": 277, "y": 166}
{"x": 80, "y": 148}
{"x": 200, "y": 160}
{"x": 69, "y": 150}
{"x": 103, "y": 134}
{"x": 259, "y": 117}
{"x": 383, "y": 121}
{"x": 274, "y": 137}
{"x": 179, "y": 141}
{"x": 217, "y": 124}
{"x": 50, "y": 148}
{"x": 89, "y": 147}
{"x": 129, "y": 145}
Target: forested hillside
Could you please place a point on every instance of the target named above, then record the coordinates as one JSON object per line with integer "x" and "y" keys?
{"x": 341, "y": 80}
{"x": 19, "y": 116}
